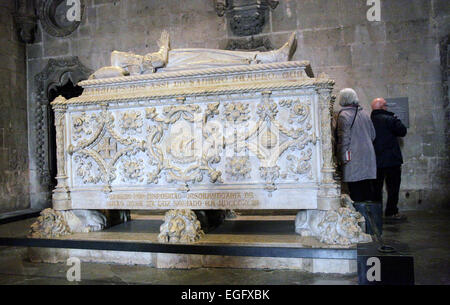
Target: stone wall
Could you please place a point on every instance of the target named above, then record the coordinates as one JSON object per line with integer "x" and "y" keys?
{"x": 396, "y": 57}
{"x": 14, "y": 181}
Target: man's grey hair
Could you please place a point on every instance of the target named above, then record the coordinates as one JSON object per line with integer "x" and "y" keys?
{"x": 347, "y": 97}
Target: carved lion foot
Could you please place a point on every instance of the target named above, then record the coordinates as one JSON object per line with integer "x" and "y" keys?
{"x": 335, "y": 227}
{"x": 180, "y": 226}
{"x": 52, "y": 223}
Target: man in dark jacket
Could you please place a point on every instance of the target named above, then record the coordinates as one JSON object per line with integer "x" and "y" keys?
{"x": 389, "y": 157}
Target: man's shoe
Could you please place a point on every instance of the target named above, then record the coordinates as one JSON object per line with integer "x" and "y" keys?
{"x": 396, "y": 217}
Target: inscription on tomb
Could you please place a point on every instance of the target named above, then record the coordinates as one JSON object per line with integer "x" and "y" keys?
{"x": 219, "y": 200}
{"x": 204, "y": 81}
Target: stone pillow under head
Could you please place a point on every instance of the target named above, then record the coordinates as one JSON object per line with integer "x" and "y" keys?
{"x": 108, "y": 72}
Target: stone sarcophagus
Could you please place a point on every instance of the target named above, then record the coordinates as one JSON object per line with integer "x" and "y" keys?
{"x": 252, "y": 136}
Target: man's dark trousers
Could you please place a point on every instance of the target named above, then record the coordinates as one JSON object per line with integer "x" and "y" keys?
{"x": 392, "y": 176}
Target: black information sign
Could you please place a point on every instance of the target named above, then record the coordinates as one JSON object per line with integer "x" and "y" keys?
{"x": 399, "y": 106}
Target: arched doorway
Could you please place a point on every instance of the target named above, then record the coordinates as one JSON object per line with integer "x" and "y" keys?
{"x": 59, "y": 77}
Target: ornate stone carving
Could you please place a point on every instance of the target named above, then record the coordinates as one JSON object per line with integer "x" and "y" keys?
{"x": 60, "y": 141}
{"x": 49, "y": 224}
{"x": 131, "y": 122}
{"x": 180, "y": 226}
{"x": 52, "y": 14}
{"x": 271, "y": 146}
{"x": 56, "y": 73}
{"x": 328, "y": 167}
{"x": 183, "y": 147}
{"x": 166, "y": 60}
{"x": 238, "y": 168}
{"x": 245, "y": 17}
{"x": 26, "y": 20}
{"x": 301, "y": 165}
{"x": 96, "y": 157}
{"x": 270, "y": 175}
{"x": 236, "y": 112}
{"x": 83, "y": 125}
{"x": 192, "y": 121}
{"x": 53, "y": 223}
{"x": 336, "y": 227}
{"x": 262, "y": 44}
{"x": 88, "y": 170}
{"x": 133, "y": 170}
{"x": 61, "y": 194}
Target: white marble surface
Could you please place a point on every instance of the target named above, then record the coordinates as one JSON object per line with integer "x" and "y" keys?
{"x": 252, "y": 137}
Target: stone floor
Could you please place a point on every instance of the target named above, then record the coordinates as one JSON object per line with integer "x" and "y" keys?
{"x": 425, "y": 232}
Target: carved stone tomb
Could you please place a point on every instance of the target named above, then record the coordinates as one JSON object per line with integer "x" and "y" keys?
{"x": 253, "y": 136}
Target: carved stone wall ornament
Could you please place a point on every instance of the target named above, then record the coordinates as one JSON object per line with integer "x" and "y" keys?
{"x": 245, "y": 17}
{"x": 26, "y": 20}
{"x": 83, "y": 125}
{"x": 53, "y": 16}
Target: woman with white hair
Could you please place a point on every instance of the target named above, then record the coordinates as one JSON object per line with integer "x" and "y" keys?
{"x": 355, "y": 151}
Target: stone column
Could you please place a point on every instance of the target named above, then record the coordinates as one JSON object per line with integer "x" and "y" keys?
{"x": 61, "y": 194}
{"x": 329, "y": 192}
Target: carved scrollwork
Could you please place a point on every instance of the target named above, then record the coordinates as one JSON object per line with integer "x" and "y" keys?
{"x": 103, "y": 149}
{"x": 300, "y": 165}
{"x": 83, "y": 125}
{"x": 87, "y": 169}
{"x": 270, "y": 175}
{"x": 185, "y": 142}
{"x": 275, "y": 138}
{"x": 182, "y": 157}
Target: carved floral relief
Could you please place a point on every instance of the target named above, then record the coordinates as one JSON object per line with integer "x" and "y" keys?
{"x": 182, "y": 143}
{"x": 238, "y": 167}
{"x": 133, "y": 170}
{"x": 175, "y": 150}
{"x": 83, "y": 125}
{"x": 97, "y": 154}
{"x": 236, "y": 112}
{"x": 131, "y": 122}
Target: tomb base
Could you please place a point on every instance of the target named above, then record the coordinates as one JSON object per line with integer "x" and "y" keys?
{"x": 191, "y": 261}
{"x": 248, "y": 242}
